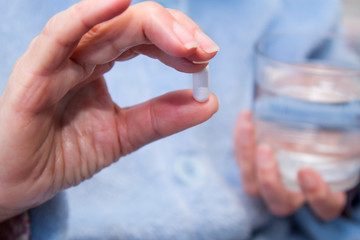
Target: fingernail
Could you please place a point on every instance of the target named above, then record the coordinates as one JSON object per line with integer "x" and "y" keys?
{"x": 186, "y": 38}
{"x": 201, "y": 62}
{"x": 205, "y": 42}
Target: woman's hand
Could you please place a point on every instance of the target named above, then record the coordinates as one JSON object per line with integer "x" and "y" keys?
{"x": 58, "y": 123}
{"x": 260, "y": 177}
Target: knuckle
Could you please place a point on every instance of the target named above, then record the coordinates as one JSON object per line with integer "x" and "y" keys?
{"x": 154, "y": 120}
{"x": 77, "y": 13}
{"x": 52, "y": 30}
{"x": 153, "y": 7}
{"x": 77, "y": 8}
{"x": 50, "y": 26}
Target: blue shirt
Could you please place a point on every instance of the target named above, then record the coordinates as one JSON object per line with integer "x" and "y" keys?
{"x": 186, "y": 186}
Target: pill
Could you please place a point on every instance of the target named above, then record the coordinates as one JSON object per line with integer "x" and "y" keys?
{"x": 201, "y": 89}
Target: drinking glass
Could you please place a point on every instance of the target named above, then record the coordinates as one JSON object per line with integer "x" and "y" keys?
{"x": 307, "y": 105}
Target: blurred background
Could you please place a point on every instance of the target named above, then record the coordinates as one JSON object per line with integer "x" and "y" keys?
{"x": 351, "y": 17}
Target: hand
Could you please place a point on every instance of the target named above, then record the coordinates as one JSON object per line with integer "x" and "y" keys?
{"x": 58, "y": 123}
{"x": 260, "y": 177}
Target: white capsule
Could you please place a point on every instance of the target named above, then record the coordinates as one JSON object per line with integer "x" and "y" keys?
{"x": 201, "y": 89}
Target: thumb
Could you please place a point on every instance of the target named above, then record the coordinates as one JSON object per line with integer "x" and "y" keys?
{"x": 161, "y": 117}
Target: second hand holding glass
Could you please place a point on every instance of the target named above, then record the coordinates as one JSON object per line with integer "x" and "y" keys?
{"x": 307, "y": 106}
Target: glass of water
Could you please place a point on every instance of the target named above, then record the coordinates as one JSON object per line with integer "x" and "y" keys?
{"x": 307, "y": 105}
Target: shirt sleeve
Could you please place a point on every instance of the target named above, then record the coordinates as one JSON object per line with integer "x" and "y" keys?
{"x": 16, "y": 228}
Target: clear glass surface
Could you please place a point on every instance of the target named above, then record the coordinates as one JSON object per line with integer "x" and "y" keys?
{"x": 307, "y": 105}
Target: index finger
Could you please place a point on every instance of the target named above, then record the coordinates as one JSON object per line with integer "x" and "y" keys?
{"x": 207, "y": 49}
{"x": 62, "y": 32}
{"x": 146, "y": 28}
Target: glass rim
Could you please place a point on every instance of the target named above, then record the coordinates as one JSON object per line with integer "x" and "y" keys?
{"x": 338, "y": 71}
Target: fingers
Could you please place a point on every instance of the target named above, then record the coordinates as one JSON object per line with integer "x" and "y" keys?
{"x": 206, "y": 45}
{"x": 181, "y": 64}
{"x": 150, "y": 29}
{"x": 279, "y": 200}
{"x": 56, "y": 62}
{"x": 324, "y": 203}
{"x": 245, "y": 146}
{"x": 260, "y": 176}
{"x": 44, "y": 74}
{"x": 55, "y": 44}
{"x": 161, "y": 117}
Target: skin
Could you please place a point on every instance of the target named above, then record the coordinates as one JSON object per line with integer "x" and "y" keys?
{"x": 58, "y": 122}
{"x": 260, "y": 177}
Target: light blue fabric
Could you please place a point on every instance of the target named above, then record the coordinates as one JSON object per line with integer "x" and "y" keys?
{"x": 185, "y": 186}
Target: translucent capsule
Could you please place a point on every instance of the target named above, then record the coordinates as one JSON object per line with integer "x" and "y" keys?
{"x": 201, "y": 89}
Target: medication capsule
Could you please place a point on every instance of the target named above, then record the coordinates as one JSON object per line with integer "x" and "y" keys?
{"x": 201, "y": 89}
